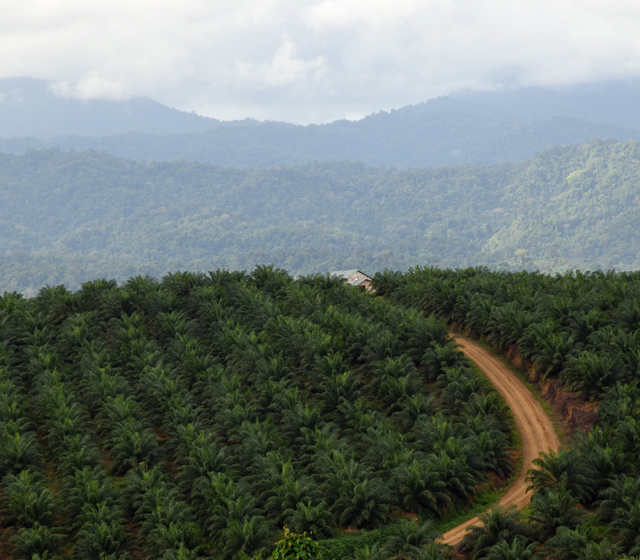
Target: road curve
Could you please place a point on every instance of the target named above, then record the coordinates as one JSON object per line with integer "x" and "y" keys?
{"x": 535, "y": 427}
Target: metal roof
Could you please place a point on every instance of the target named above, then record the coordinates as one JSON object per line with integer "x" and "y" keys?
{"x": 344, "y": 273}
{"x": 358, "y": 282}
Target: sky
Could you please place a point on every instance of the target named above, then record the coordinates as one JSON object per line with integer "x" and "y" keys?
{"x": 316, "y": 61}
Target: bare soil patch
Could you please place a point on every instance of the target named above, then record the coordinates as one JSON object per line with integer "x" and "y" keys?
{"x": 536, "y": 428}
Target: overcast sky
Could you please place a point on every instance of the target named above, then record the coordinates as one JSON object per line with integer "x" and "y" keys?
{"x": 313, "y": 61}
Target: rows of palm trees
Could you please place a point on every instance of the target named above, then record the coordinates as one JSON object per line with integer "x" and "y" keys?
{"x": 583, "y": 328}
{"x": 196, "y": 416}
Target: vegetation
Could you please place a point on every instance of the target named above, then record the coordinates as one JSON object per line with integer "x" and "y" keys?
{"x": 67, "y": 218}
{"x": 295, "y": 546}
{"x": 583, "y": 329}
{"x": 197, "y": 416}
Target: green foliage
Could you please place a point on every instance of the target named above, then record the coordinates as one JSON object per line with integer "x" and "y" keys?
{"x": 516, "y": 550}
{"x": 192, "y": 417}
{"x": 579, "y": 329}
{"x": 71, "y": 217}
{"x": 296, "y": 546}
{"x": 499, "y": 525}
{"x": 364, "y": 546}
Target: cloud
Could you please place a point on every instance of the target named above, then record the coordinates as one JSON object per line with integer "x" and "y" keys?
{"x": 314, "y": 60}
{"x": 284, "y": 70}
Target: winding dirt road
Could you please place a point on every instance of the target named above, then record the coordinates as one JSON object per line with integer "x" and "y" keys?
{"x": 535, "y": 427}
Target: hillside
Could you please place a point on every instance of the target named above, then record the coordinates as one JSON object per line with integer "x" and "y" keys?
{"x": 195, "y": 417}
{"x": 578, "y": 330}
{"x": 29, "y": 108}
{"x": 68, "y": 217}
{"x": 473, "y": 128}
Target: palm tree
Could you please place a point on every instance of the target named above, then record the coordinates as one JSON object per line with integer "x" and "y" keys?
{"x": 394, "y": 391}
{"x": 529, "y": 344}
{"x": 554, "y": 352}
{"x": 19, "y": 452}
{"x": 497, "y": 524}
{"x": 557, "y": 469}
{"x": 604, "y": 460}
{"x": 604, "y": 550}
{"x": 367, "y": 552}
{"x": 339, "y": 387}
{"x": 590, "y": 373}
{"x": 437, "y": 359}
{"x": 620, "y": 496}
{"x": 488, "y": 404}
{"x": 28, "y": 501}
{"x": 552, "y": 509}
{"x": 132, "y": 447}
{"x": 185, "y": 536}
{"x": 249, "y": 536}
{"x": 456, "y": 475}
{"x": 97, "y": 540}
{"x": 311, "y": 519}
{"x": 627, "y": 525}
{"x": 38, "y": 539}
{"x": 407, "y": 538}
{"x": 203, "y": 457}
{"x": 568, "y": 544}
{"x": 364, "y": 504}
{"x": 421, "y": 490}
{"x": 516, "y": 550}
{"x": 413, "y": 409}
{"x": 382, "y": 346}
{"x": 286, "y": 497}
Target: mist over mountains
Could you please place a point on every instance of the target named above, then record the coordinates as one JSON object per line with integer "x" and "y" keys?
{"x": 32, "y": 108}
{"x": 469, "y": 127}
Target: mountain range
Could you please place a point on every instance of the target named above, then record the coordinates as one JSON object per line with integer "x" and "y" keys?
{"x": 467, "y": 127}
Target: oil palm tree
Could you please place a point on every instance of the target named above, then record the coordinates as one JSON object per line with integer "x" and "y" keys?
{"x": 497, "y": 524}
{"x": 407, "y": 538}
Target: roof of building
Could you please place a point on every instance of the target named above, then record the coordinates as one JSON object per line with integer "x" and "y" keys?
{"x": 347, "y": 273}
{"x": 359, "y": 281}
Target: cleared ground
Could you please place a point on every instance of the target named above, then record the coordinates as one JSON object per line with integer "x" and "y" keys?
{"x": 536, "y": 428}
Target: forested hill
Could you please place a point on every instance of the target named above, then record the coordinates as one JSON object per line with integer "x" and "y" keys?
{"x": 443, "y": 131}
{"x": 70, "y": 217}
{"x": 489, "y": 127}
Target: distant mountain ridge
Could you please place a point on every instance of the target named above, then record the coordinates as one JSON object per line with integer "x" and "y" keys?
{"x": 29, "y": 108}
{"x": 468, "y": 127}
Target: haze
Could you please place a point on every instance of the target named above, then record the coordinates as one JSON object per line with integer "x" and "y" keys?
{"x": 314, "y": 61}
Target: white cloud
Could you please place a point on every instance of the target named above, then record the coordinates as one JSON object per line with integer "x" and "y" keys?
{"x": 285, "y": 69}
{"x": 313, "y": 60}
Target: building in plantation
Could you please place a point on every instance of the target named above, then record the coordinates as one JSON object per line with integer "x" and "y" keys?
{"x": 355, "y": 278}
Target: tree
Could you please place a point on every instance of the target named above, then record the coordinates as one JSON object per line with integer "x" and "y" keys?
{"x": 296, "y": 546}
{"x": 557, "y": 469}
{"x": 407, "y": 538}
{"x": 497, "y": 524}
{"x": 552, "y": 509}
{"x": 517, "y": 550}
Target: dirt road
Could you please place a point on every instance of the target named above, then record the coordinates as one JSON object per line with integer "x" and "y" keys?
{"x": 534, "y": 425}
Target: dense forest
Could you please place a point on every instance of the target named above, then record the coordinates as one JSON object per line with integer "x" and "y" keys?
{"x": 197, "y": 416}
{"x": 70, "y": 217}
{"x": 584, "y": 329}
